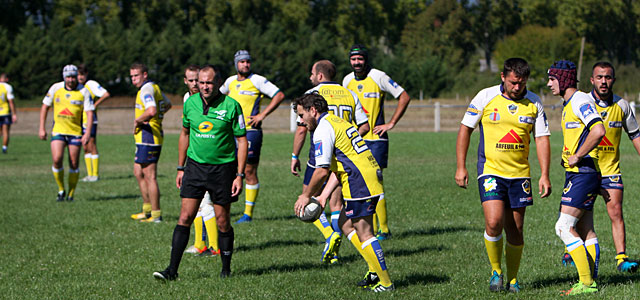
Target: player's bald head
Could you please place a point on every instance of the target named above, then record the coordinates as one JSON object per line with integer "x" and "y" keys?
{"x": 326, "y": 68}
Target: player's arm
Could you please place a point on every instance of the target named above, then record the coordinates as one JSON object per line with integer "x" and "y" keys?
{"x": 594, "y": 137}
{"x": 363, "y": 128}
{"x": 243, "y": 149}
{"x": 101, "y": 99}
{"x": 42, "y": 133}
{"x": 403, "y": 103}
{"x": 543, "y": 149}
{"x": 636, "y": 144}
{"x": 87, "y": 133}
{"x": 183, "y": 145}
{"x": 148, "y": 113}
{"x": 331, "y": 184}
{"x": 298, "y": 141}
{"x": 317, "y": 179}
{"x": 14, "y": 112}
{"x": 462, "y": 146}
{"x": 273, "y": 105}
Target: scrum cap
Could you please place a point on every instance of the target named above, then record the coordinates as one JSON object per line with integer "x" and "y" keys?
{"x": 69, "y": 70}
{"x": 565, "y": 72}
{"x": 241, "y": 55}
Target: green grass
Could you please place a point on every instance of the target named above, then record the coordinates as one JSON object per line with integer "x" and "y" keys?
{"x": 92, "y": 249}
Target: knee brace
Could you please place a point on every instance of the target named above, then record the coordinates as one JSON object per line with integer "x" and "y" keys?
{"x": 563, "y": 230}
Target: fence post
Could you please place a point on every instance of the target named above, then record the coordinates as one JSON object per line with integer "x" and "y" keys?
{"x": 436, "y": 120}
{"x": 292, "y": 121}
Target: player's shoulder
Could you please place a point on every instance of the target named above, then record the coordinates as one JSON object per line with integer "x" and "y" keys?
{"x": 313, "y": 89}
{"x": 623, "y": 103}
{"x": 489, "y": 93}
{"x": 231, "y": 79}
{"x": 351, "y": 76}
{"x": 185, "y": 97}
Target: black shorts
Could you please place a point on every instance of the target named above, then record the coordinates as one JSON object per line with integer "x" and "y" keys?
{"x": 216, "y": 179}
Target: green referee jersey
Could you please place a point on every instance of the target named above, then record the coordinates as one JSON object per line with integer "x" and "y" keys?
{"x": 213, "y": 128}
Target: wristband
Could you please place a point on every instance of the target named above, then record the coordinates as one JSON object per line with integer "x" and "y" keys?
{"x": 180, "y": 168}
{"x": 241, "y": 175}
{"x": 293, "y": 156}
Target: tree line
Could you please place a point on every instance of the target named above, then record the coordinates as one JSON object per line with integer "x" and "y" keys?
{"x": 437, "y": 47}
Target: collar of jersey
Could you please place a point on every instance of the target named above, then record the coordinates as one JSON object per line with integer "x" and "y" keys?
{"x": 502, "y": 93}
{"x": 212, "y": 102}
{"x": 250, "y": 74}
{"x": 598, "y": 100}
{"x": 355, "y": 76}
{"x": 323, "y": 115}
{"x": 327, "y": 82}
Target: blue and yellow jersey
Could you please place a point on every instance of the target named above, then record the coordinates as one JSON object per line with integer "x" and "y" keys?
{"x": 616, "y": 116}
{"x": 506, "y": 127}
{"x": 579, "y": 115}
{"x": 6, "y": 95}
{"x": 371, "y": 91}
{"x": 338, "y": 146}
{"x": 68, "y": 107}
{"x": 343, "y": 103}
{"x": 96, "y": 92}
{"x": 248, "y": 93}
{"x": 150, "y": 95}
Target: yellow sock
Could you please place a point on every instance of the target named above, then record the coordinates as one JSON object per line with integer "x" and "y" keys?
{"x": 212, "y": 232}
{"x": 88, "y": 164}
{"x": 95, "y": 159}
{"x": 494, "y": 251}
{"x": 381, "y": 211}
{"x": 374, "y": 256}
{"x": 353, "y": 238}
{"x": 146, "y": 208}
{"x": 251, "y": 194}
{"x": 73, "y": 181}
{"x": 375, "y": 223}
{"x": 593, "y": 249}
{"x": 579, "y": 255}
{"x": 513, "y": 255}
{"x": 58, "y": 175}
{"x": 197, "y": 225}
{"x": 324, "y": 226}
{"x": 156, "y": 213}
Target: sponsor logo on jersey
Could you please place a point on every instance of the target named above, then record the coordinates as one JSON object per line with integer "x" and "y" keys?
{"x": 513, "y": 109}
{"x": 360, "y": 87}
{"x": 472, "y": 110}
{"x": 147, "y": 98}
{"x": 66, "y": 112}
{"x": 567, "y": 189}
{"x": 494, "y": 116}
{"x": 526, "y": 199}
{"x": 58, "y": 100}
{"x": 510, "y": 142}
{"x": 75, "y": 102}
{"x": 393, "y": 83}
{"x": 616, "y": 124}
{"x": 526, "y": 120}
{"x": 205, "y": 126}
{"x": 566, "y": 199}
{"x": 572, "y": 125}
{"x": 241, "y": 121}
{"x": 604, "y": 114}
{"x": 238, "y": 86}
{"x": 220, "y": 114}
{"x": 526, "y": 187}
{"x": 371, "y": 95}
{"x": 586, "y": 110}
{"x": 318, "y": 149}
{"x": 606, "y": 145}
{"x": 68, "y": 96}
{"x": 332, "y": 92}
{"x": 138, "y": 106}
{"x": 490, "y": 184}
{"x": 249, "y": 93}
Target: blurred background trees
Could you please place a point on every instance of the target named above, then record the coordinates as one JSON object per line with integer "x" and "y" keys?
{"x": 440, "y": 48}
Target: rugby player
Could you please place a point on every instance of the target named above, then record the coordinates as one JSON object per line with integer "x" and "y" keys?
{"x": 8, "y": 113}
{"x": 508, "y": 115}
{"x": 248, "y": 89}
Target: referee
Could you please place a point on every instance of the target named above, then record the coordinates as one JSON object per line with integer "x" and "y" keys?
{"x": 212, "y": 123}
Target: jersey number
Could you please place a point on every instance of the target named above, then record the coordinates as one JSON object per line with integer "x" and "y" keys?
{"x": 356, "y": 140}
{"x": 343, "y": 111}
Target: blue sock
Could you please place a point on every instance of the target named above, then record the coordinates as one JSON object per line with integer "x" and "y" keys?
{"x": 323, "y": 220}
{"x": 335, "y": 215}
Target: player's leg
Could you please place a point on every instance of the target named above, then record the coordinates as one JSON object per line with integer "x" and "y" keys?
{"x": 87, "y": 157}
{"x": 74, "y": 164}
{"x": 380, "y": 151}
{"x": 57, "y": 152}
{"x": 199, "y": 243}
{"x": 6, "y": 128}
{"x": 584, "y": 227}
{"x": 321, "y": 223}
{"x": 493, "y": 241}
{"x": 153, "y": 192}
{"x": 513, "y": 227}
{"x": 95, "y": 156}
{"x": 372, "y": 251}
{"x": 226, "y": 237}
{"x": 566, "y": 230}
{"x": 614, "y": 209}
{"x": 211, "y": 225}
{"x": 142, "y": 184}
{"x": 252, "y": 188}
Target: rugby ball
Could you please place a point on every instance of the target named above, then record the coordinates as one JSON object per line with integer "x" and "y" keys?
{"x": 311, "y": 212}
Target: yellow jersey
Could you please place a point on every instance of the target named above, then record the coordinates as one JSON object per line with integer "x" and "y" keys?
{"x": 506, "y": 127}
{"x": 616, "y": 116}
{"x": 68, "y": 107}
{"x": 248, "y": 93}
{"x": 371, "y": 92}
{"x": 579, "y": 115}
{"x": 338, "y": 146}
{"x": 96, "y": 91}
{"x": 150, "y": 95}
{"x": 6, "y": 95}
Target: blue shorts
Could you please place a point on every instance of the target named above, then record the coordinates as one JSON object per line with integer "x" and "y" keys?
{"x": 72, "y": 140}
{"x": 612, "y": 183}
{"x": 94, "y": 130}
{"x": 516, "y": 193}
{"x": 581, "y": 190}
{"x": 147, "y": 154}
{"x": 360, "y": 208}
{"x": 380, "y": 151}
{"x": 6, "y": 120}
{"x": 254, "y": 138}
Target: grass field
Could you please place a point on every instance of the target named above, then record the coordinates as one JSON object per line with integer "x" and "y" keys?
{"x": 92, "y": 249}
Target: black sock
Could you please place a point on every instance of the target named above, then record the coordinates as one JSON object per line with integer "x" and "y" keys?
{"x": 178, "y": 244}
{"x": 225, "y": 241}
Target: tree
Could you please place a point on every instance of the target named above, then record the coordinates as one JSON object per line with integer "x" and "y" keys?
{"x": 492, "y": 21}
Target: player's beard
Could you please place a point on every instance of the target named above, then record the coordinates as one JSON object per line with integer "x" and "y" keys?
{"x": 604, "y": 96}
{"x": 244, "y": 74}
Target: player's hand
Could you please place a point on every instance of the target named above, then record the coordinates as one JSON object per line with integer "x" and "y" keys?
{"x": 85, "y": 138}
{"x": 462, "y": 178}
{"x": 254, "y": 121}
{"x": 300, "y": 204}
{"x": 179, "y": 179}
{"x": 605, "y": 195}
{"x": 574, "y": 160}
{"x": 381, "y": 129}
{"x": 295, "y": 167}
{"x": 14, "y": 118}
{"x": 544, "y": 187}
{"x": 42, "y": 134}
{"x": 322, "y": 201}
{"x": 236, "y": 187}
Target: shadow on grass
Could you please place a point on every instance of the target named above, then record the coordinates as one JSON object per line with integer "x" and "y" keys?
{"x": 421, "y": 279}
{"x": 551, "y": 281}
{"x": 294, "y": 267}
{"x": 619, "y": 278}
{"x": 275, "y": 244}
{"x": 432, "y": 231}
{"x": 114, "y": 197}
{"x": 409, "y": 252}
